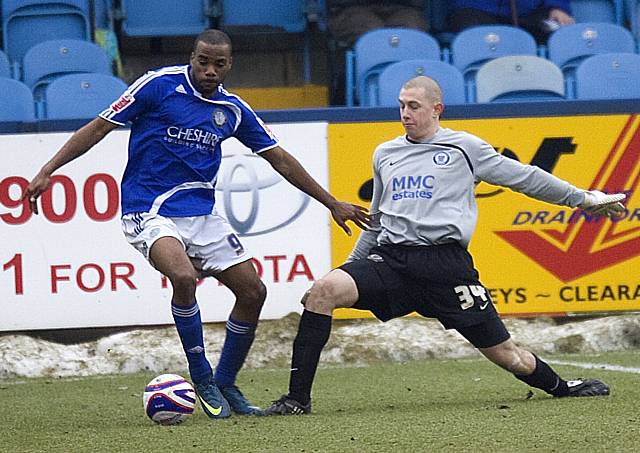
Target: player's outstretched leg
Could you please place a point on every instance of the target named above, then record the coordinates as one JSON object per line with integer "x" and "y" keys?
{"x": 535, "y": 372}
{"x": 545, "y": 378}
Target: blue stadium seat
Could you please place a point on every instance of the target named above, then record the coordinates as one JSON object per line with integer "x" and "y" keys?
{"x": 474, "y": 46}
{"x": 165, "y": 17}
{"x": 288, "y": 15}
{"x": 16, "y": 101}
{"x": 597, "y": 11}
{"x": 609, "y": 76}
{"x": 51, "y": 59}
{"x": 396, "y": 74}
{"x": 28, "y": 22}
{"x": 81, "y": 96}
{"x": 5, "y": 67}
{"x": 518, "y": 78}
{"x": 376, "y": 49}
{"x": 571, "y": 44}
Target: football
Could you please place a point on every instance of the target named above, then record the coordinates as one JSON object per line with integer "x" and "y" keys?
{"x": 169, "y": 399}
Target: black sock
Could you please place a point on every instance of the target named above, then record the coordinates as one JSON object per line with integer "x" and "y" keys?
{"x": 546, "y": 379}
{"x": 313, "y": 333}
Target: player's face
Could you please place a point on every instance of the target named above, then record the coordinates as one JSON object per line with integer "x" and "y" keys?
{"x": 209, "y": 66}
{"x": 418, "y": 113}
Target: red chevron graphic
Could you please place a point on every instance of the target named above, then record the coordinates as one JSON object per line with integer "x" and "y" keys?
{"x": 579, "y": 257}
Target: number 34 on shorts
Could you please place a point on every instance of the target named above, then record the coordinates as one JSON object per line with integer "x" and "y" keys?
{"x": 469, "y": 294}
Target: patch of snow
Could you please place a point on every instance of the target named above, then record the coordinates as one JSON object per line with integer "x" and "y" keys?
{"x": 353, "y": 342}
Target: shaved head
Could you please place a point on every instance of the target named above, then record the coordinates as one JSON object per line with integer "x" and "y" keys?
{"x": 431, "y": 88}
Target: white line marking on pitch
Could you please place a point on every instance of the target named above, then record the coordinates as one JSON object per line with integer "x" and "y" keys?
{"x": 597, "y": 366}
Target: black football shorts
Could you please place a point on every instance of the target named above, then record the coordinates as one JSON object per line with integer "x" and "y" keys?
{"x": 434, "y": 281}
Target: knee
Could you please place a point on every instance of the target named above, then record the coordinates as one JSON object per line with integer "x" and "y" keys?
{"x": 184, "y": 281}
{"x": 321, "y": 297}
{"x": 253, "y": 294}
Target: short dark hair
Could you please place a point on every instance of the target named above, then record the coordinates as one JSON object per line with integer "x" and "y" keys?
{"x": 213, "y": 37}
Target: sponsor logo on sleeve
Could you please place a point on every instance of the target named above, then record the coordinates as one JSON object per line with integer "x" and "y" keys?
{"x": 122, "y": 102}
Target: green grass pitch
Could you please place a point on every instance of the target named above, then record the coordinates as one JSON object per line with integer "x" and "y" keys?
{"x": 429, "y": 406}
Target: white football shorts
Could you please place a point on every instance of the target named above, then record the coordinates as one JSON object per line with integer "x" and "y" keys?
{"x": 208, "y": 240}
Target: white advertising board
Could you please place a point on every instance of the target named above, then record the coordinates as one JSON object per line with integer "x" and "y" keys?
{"x": 71, "y": 267}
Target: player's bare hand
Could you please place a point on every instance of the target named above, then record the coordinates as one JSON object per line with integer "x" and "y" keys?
{"x": 37, "y": 185}
{"x": 342, "y": 211}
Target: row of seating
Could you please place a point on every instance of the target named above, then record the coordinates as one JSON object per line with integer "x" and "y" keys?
{"x": 72, "y": 96}
{"x": 513, "y": 78}
{"x": 82, "y": 19}
{"x": 188, "y": 17}
{"x": 472, "y": 48}
{"x": 519, "y": 78}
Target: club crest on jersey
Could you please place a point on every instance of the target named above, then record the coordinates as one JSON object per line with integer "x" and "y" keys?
{"x": 441, "y": 158}
{"x": 219, "y": 117}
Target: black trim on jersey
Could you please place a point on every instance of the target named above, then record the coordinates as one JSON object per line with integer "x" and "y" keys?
{"x": 446, "y": 145}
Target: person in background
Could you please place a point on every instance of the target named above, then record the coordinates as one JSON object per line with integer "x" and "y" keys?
{"x": 350, "y": 19}
{"x": 179, "y": 116}
{"x": 538, "y": 17}
{"x": 414, "y": 258}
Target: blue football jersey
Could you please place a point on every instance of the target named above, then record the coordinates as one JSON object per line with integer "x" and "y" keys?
{"x": 175, "y": 143}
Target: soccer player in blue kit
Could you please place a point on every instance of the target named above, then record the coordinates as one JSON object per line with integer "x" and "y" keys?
{"x": 179, "y": 117}
{"x": 414, "y": 257}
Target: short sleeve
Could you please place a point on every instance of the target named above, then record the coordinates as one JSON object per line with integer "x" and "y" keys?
{"x": 253, "y": 133}
{"x": 138, "y": 98}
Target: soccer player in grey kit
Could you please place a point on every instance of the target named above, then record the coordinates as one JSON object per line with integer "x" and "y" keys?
{"x": 415, "y": 258}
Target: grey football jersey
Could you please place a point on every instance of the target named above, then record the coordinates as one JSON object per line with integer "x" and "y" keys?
{"x": 423, "y": 193}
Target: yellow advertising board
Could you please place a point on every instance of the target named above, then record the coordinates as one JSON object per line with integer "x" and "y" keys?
{"x": 534, "y": 257}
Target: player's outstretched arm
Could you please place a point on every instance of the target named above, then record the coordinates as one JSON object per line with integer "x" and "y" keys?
{"x": 602, "y": 204}
{"x": 289, "y": 167}
{"x": 78, "y": 144}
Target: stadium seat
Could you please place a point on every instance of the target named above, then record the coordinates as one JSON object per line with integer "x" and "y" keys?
{"x": 28, "y": 22}
{"x": 597, "y": 11}
{"x": 519, "y": 78}
{"x": 81, "y": 96}
{"x": 609, "y": 76}
{"x": 474, "y": 46}
{"x": 51, "y": 59}
{"x": 16, "y": 101}
{"x": 5, "y": 67}
{"x": 149, "y": 18}
{"x": 376, "y": 49}
{"x": 571, "y": 44}
{"x": 396, "y": 74}
{"x": 288, "y": 15}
